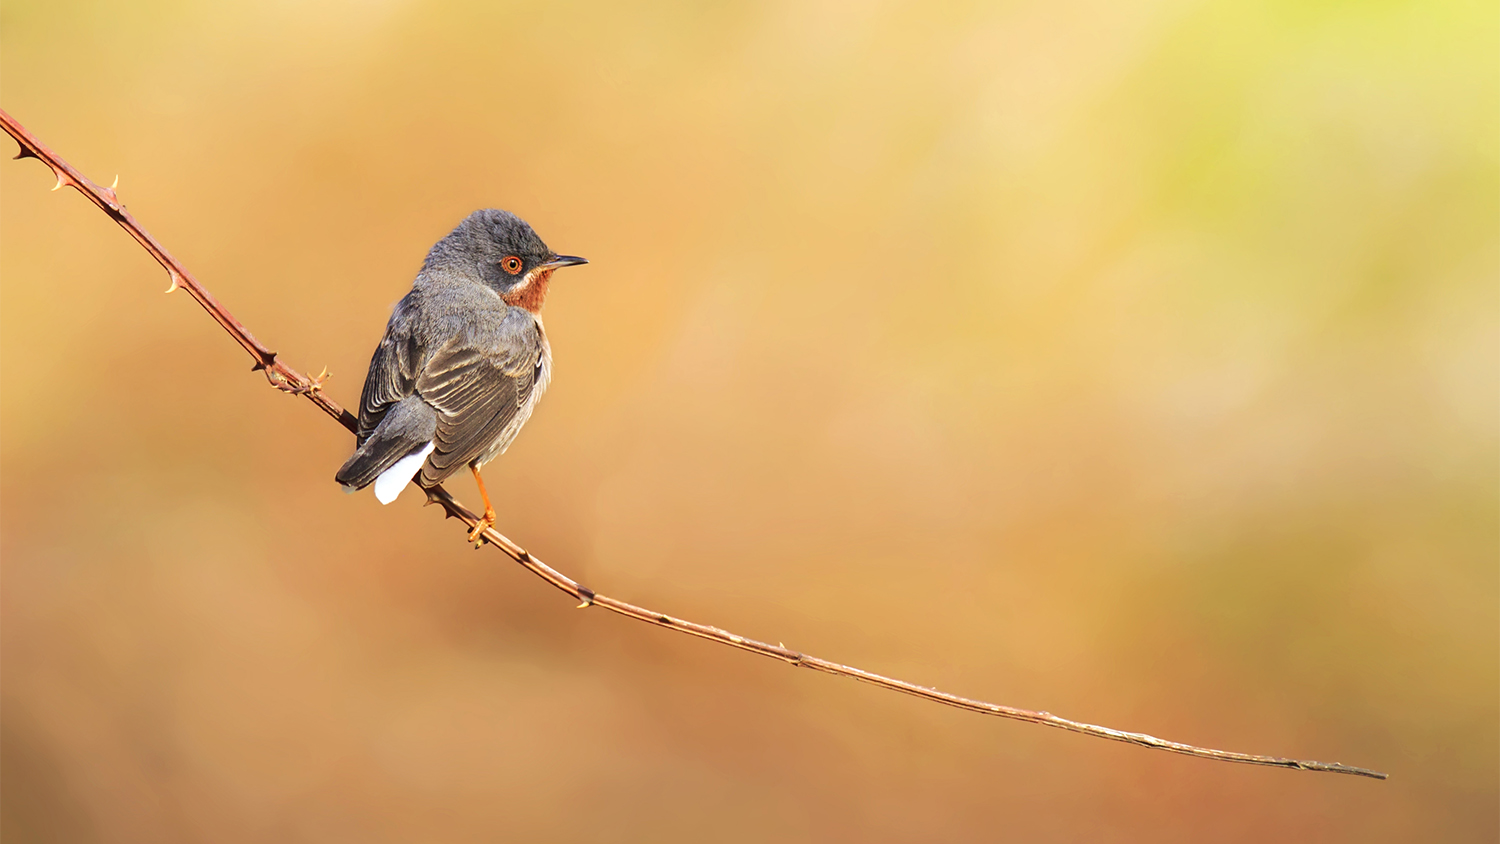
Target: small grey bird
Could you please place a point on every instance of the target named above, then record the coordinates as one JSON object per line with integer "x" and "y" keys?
{"x": 462, "y": 364}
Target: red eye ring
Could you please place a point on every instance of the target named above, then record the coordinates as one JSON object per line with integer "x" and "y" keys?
{"x": 511, "y": 264}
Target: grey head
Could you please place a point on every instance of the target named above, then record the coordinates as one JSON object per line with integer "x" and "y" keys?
{"x": 499, "y": 250}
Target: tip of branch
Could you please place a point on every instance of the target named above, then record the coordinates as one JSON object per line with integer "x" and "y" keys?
{"x": 1338, "y": 768}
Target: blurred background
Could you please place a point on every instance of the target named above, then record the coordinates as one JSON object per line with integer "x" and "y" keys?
{"x": 1137, "y": 362}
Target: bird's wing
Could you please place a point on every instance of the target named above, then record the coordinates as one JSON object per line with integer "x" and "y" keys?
{"x": 393, "y": 373}
{"x": 477, "y": 384}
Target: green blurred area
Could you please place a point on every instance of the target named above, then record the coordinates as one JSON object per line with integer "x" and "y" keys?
{"x": 1137, "y": 362}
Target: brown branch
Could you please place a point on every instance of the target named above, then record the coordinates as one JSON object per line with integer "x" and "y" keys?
{"x": 284, "y": 378}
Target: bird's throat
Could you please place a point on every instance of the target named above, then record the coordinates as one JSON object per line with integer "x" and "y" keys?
{"x": 530, "y": 293}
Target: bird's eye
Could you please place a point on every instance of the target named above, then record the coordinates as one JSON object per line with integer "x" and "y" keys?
{"x": 511, "y": 264}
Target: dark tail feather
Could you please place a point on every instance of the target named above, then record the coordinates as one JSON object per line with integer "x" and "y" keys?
{"x": 406, "y": 428}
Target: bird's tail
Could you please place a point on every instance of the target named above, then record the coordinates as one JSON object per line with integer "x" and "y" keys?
{"x": 393, "y": 453}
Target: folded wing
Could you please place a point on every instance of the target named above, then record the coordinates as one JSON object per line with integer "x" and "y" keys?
{"x": 478, "y": 387}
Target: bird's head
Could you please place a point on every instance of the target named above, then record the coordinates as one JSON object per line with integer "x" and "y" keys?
{"x": 506, "y": 255}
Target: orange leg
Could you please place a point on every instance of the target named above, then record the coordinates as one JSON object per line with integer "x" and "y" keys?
{"x": 489, "y": 511}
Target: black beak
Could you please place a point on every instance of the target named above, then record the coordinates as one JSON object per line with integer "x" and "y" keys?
{"x": 564, "y": 261}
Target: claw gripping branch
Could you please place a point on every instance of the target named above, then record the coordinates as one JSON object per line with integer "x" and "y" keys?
{"x": 284, "y": 378}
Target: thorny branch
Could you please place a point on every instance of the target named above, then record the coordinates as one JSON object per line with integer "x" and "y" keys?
{"x": 286, "y": 379}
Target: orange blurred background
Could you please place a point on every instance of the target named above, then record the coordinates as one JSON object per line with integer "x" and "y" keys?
{"x": 1137, "y": 362}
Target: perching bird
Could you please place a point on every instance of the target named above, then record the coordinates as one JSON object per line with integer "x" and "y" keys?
{"x": 462, "y": 364}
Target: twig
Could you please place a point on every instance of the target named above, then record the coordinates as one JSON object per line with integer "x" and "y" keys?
{"x": 284, "y": 378}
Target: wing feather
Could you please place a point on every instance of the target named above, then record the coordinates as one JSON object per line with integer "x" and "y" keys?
{"x": 392, "y": 374}
{"x": 477, "y": 385}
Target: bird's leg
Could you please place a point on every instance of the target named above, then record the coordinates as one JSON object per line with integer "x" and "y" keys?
{"x": 489, "y": 511}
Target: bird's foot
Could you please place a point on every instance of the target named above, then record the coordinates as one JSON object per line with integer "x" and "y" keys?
{"x": 485, "y": 522}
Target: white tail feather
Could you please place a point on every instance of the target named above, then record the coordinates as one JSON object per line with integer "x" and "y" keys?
{"x": 393, "y": 480}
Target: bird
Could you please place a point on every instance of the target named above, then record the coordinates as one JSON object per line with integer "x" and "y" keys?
{"x": 462, "y": 364}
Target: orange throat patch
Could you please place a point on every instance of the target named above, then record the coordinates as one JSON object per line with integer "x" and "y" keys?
{"x": 530, "y": 293}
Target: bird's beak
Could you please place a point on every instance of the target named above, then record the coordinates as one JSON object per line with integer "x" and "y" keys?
{"x": 564, "y": 261}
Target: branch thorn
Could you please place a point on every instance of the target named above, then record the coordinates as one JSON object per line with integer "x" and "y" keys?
{"x": 175, "y": 281}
